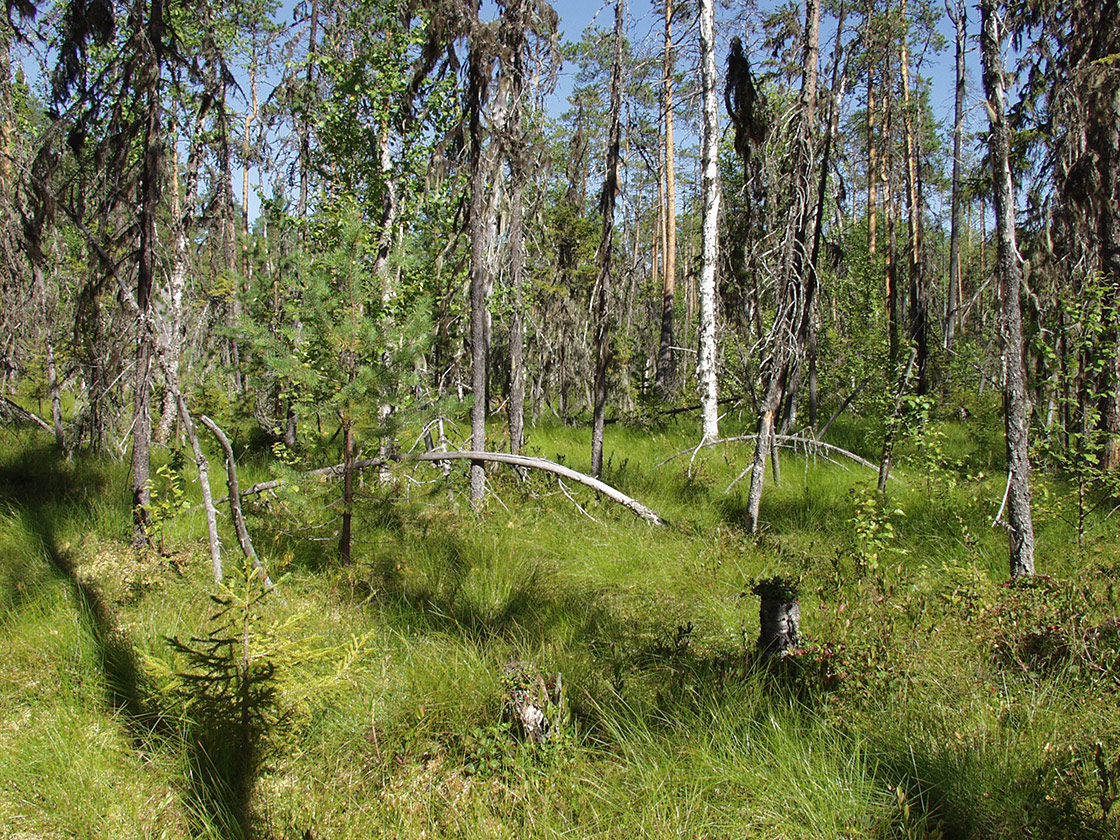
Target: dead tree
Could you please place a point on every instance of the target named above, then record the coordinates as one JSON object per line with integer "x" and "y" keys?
{"x": 798, "y": 281}
{"x": 606, "y": 245}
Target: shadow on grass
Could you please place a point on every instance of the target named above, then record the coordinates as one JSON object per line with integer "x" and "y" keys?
{"x": 48, "y": 493}
{"x": 952, "y": 791}
{"x": 44, "y": 489}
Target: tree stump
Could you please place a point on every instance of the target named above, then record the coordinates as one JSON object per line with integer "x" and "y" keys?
{"x": 530, "y": 700}
{"x": 779, "y": 616}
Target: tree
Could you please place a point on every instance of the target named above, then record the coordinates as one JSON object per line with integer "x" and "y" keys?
{"x": 710, "y": 188}
{"x": 958, "y": 15}
{"x": 1069, "y": 103}
{"x": 521, "y": 22}
{"x": 135, "y": 128}
{"x": 479, "y": 67}
{"x": 606, "y": 244}
{"x": 797, "y": 279}
{"x": 1010, "y": 272}
{"x": 665, "y": 367}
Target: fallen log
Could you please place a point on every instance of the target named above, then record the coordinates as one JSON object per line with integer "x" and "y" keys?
{"x": 8, "y": 406}
{"x": 615, "y": 495}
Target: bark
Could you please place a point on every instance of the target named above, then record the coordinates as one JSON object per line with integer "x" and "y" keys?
{"x": 228, "y": 238}
{"x": 145, "y": 278}
{"x": 893, "y": 422}
{"x": 304, "y": 126}
{"x": 958, "y": 15}
{"x": 529, "y": 699}
{"x": 246, "y": 156}
{"x": 665, "y": 366}
{"x": 33, "y": 229}
{"x": 203, "y": 480}
{"x": 1009, "y": 270}
{"x": 872, "y": 148}
{"x": 606, "y": 245}
{"x": 477, "y": 76}
{"x": 763, "y": 443}
{"x": 8, "y": 406}
{"x": 53, "y": 388}
{"x": 710, "y": 190}
{"x": 517, "y": 152}
{"x": 917, "y": 329}
{"x": 347, "y": 490}
{"x": 170, "y": 308}
{"x": 779, "y": 626}
{"x": 6, "y": 116}
{"x": 517, "y": 317}
{"x": 806, "y": 331}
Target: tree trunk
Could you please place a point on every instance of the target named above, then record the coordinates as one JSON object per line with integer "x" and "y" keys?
{"x": 706, "y": 374}
{"x": 243, "y": 538}
{"x": 516, "y": 236}
{"x": 1016, "y": 407}
{"x": 665, "y": 366}
{"x": 478, "y": 72}
{"x": 347, "y": 490}
{"x": 606, "y": 244}
{"x": 145, "y": 278}
{"x": 917, "y": 330}
{"x": 779, "y": 622}
{"x": 892, "y": 423}
{"x": 169, "y": 327}
{"x": 246, "y": 155}
{"x": 763, "y": 444}
{"x": 798, "y": 278}
{"x": 36, "y": 258}
{"x": 958, "y": 15}
{"x": 228, "y": 238}
{"x": 807, "y": 335}
{"x": 304, "y": 126}
{"x": 203, "y": 479}
{"x": 872, "y": 148}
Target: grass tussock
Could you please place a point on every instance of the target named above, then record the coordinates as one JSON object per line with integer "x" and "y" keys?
{"x": 930, "y": 699}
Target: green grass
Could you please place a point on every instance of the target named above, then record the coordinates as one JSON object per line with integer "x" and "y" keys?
{"x": 931, "y": 700}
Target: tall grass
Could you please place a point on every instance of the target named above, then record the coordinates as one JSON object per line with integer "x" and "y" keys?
{"x": 931, "y": 701}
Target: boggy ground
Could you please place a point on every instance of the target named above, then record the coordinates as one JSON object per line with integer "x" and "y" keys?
{"x": 931, "y": 699}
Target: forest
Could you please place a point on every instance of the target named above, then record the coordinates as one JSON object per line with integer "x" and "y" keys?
{"x": 419, "y": 420}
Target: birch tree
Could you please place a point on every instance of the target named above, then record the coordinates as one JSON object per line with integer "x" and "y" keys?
{"x": 1010, "y": 272}
{"x": 709, "y": 259}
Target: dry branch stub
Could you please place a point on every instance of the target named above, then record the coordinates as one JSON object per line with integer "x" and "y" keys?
{"x": 779, "y": 616}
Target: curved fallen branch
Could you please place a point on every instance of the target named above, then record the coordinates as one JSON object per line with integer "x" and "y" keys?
{"x": 633, "y": 505}
{"x": 615, "y": 495}
{"x": 788, "y": 441}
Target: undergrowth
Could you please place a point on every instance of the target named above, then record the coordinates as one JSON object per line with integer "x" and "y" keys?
{"x": 930, "y": 699}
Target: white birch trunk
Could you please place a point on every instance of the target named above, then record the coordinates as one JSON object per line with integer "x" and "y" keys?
{"x": 709, "y": 259}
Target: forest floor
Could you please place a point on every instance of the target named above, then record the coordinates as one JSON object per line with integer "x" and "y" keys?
{"x": 930, "y": 698}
